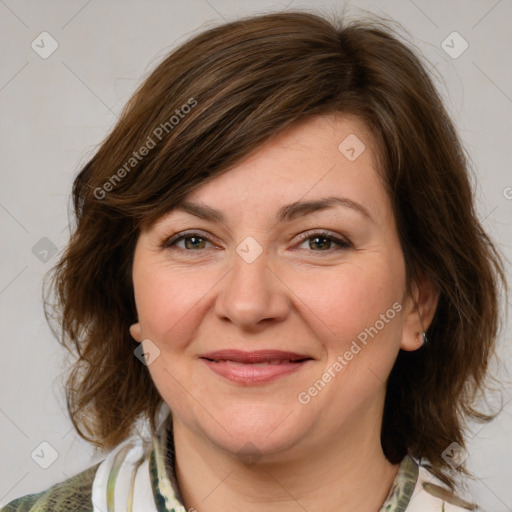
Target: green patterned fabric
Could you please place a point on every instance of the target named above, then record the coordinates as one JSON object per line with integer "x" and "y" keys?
{"x": 73, "y": 495}
{"x": 402, "y": 488}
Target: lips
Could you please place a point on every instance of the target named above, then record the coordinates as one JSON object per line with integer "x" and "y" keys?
{"x": 255, "y": 357}
{"x": 256, "y": 367}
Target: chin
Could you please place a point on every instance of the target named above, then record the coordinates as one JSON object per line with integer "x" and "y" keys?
{"x": 256, "y": 432}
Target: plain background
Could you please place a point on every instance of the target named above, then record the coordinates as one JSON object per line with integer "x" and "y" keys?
{"x": 55, "y": 111}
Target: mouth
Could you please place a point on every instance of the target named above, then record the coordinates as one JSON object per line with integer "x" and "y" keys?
{"x": 256, "y": 367}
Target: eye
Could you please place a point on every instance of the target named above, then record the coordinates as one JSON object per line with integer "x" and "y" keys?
{"x": 318, "y": 241}
{"x": 193, "y": 241}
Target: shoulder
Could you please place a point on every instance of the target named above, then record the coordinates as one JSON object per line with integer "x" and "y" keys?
{"x": 432, "y": 495}
{"x": 72, "y": 495}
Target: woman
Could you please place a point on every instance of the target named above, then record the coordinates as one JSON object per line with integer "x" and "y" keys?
{"x": 277, "y": 250}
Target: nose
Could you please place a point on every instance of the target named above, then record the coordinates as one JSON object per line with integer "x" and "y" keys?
{"x": 252, "y": 295}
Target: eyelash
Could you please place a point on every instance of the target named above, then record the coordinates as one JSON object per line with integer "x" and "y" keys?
{"x": 342, "y": 244}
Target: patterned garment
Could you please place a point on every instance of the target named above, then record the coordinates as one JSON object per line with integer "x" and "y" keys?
{"x": 139, "y": 477}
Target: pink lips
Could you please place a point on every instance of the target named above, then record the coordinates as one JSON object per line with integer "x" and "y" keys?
{"x": 254, "y": 367}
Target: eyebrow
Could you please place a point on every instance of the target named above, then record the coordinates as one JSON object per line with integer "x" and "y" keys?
{"x": 288, "y": 212}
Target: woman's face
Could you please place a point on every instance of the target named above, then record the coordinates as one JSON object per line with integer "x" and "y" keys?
{"x": 306, "y": 260}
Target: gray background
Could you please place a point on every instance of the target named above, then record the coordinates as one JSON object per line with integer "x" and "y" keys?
{"x": 55, "y": 111}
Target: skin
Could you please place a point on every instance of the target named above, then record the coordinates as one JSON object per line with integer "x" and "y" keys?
{"x": 200, "y": 295}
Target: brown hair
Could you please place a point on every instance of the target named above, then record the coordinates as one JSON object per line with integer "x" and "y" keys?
{"x": 211, "y": 102}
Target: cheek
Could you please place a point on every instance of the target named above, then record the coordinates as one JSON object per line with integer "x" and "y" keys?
{"x": 345, "y": 301}
{"x": 360, "y": 330}
{"x": 170, "y": 301}
{"x": 370, "y": 325}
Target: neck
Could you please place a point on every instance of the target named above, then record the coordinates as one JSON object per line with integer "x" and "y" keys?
{"x": 335, "y": 476}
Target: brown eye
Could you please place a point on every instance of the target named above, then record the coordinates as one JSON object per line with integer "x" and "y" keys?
{"x": 320, "y": 242}
{"x": 323, "y": 242}
{"x": 192, "y": 242}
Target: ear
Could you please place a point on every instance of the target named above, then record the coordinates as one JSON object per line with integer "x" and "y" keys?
{"x": 419, "y": 309}
{"x": 136, "y": 332}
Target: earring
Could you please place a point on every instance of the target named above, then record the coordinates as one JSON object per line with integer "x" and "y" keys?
{"x": 423, "y": 337}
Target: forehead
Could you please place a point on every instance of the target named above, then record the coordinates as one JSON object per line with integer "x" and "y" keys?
{"x": 326, "y": 156}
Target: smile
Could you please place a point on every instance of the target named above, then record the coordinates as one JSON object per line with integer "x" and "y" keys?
{"x": 257, "y": 367}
